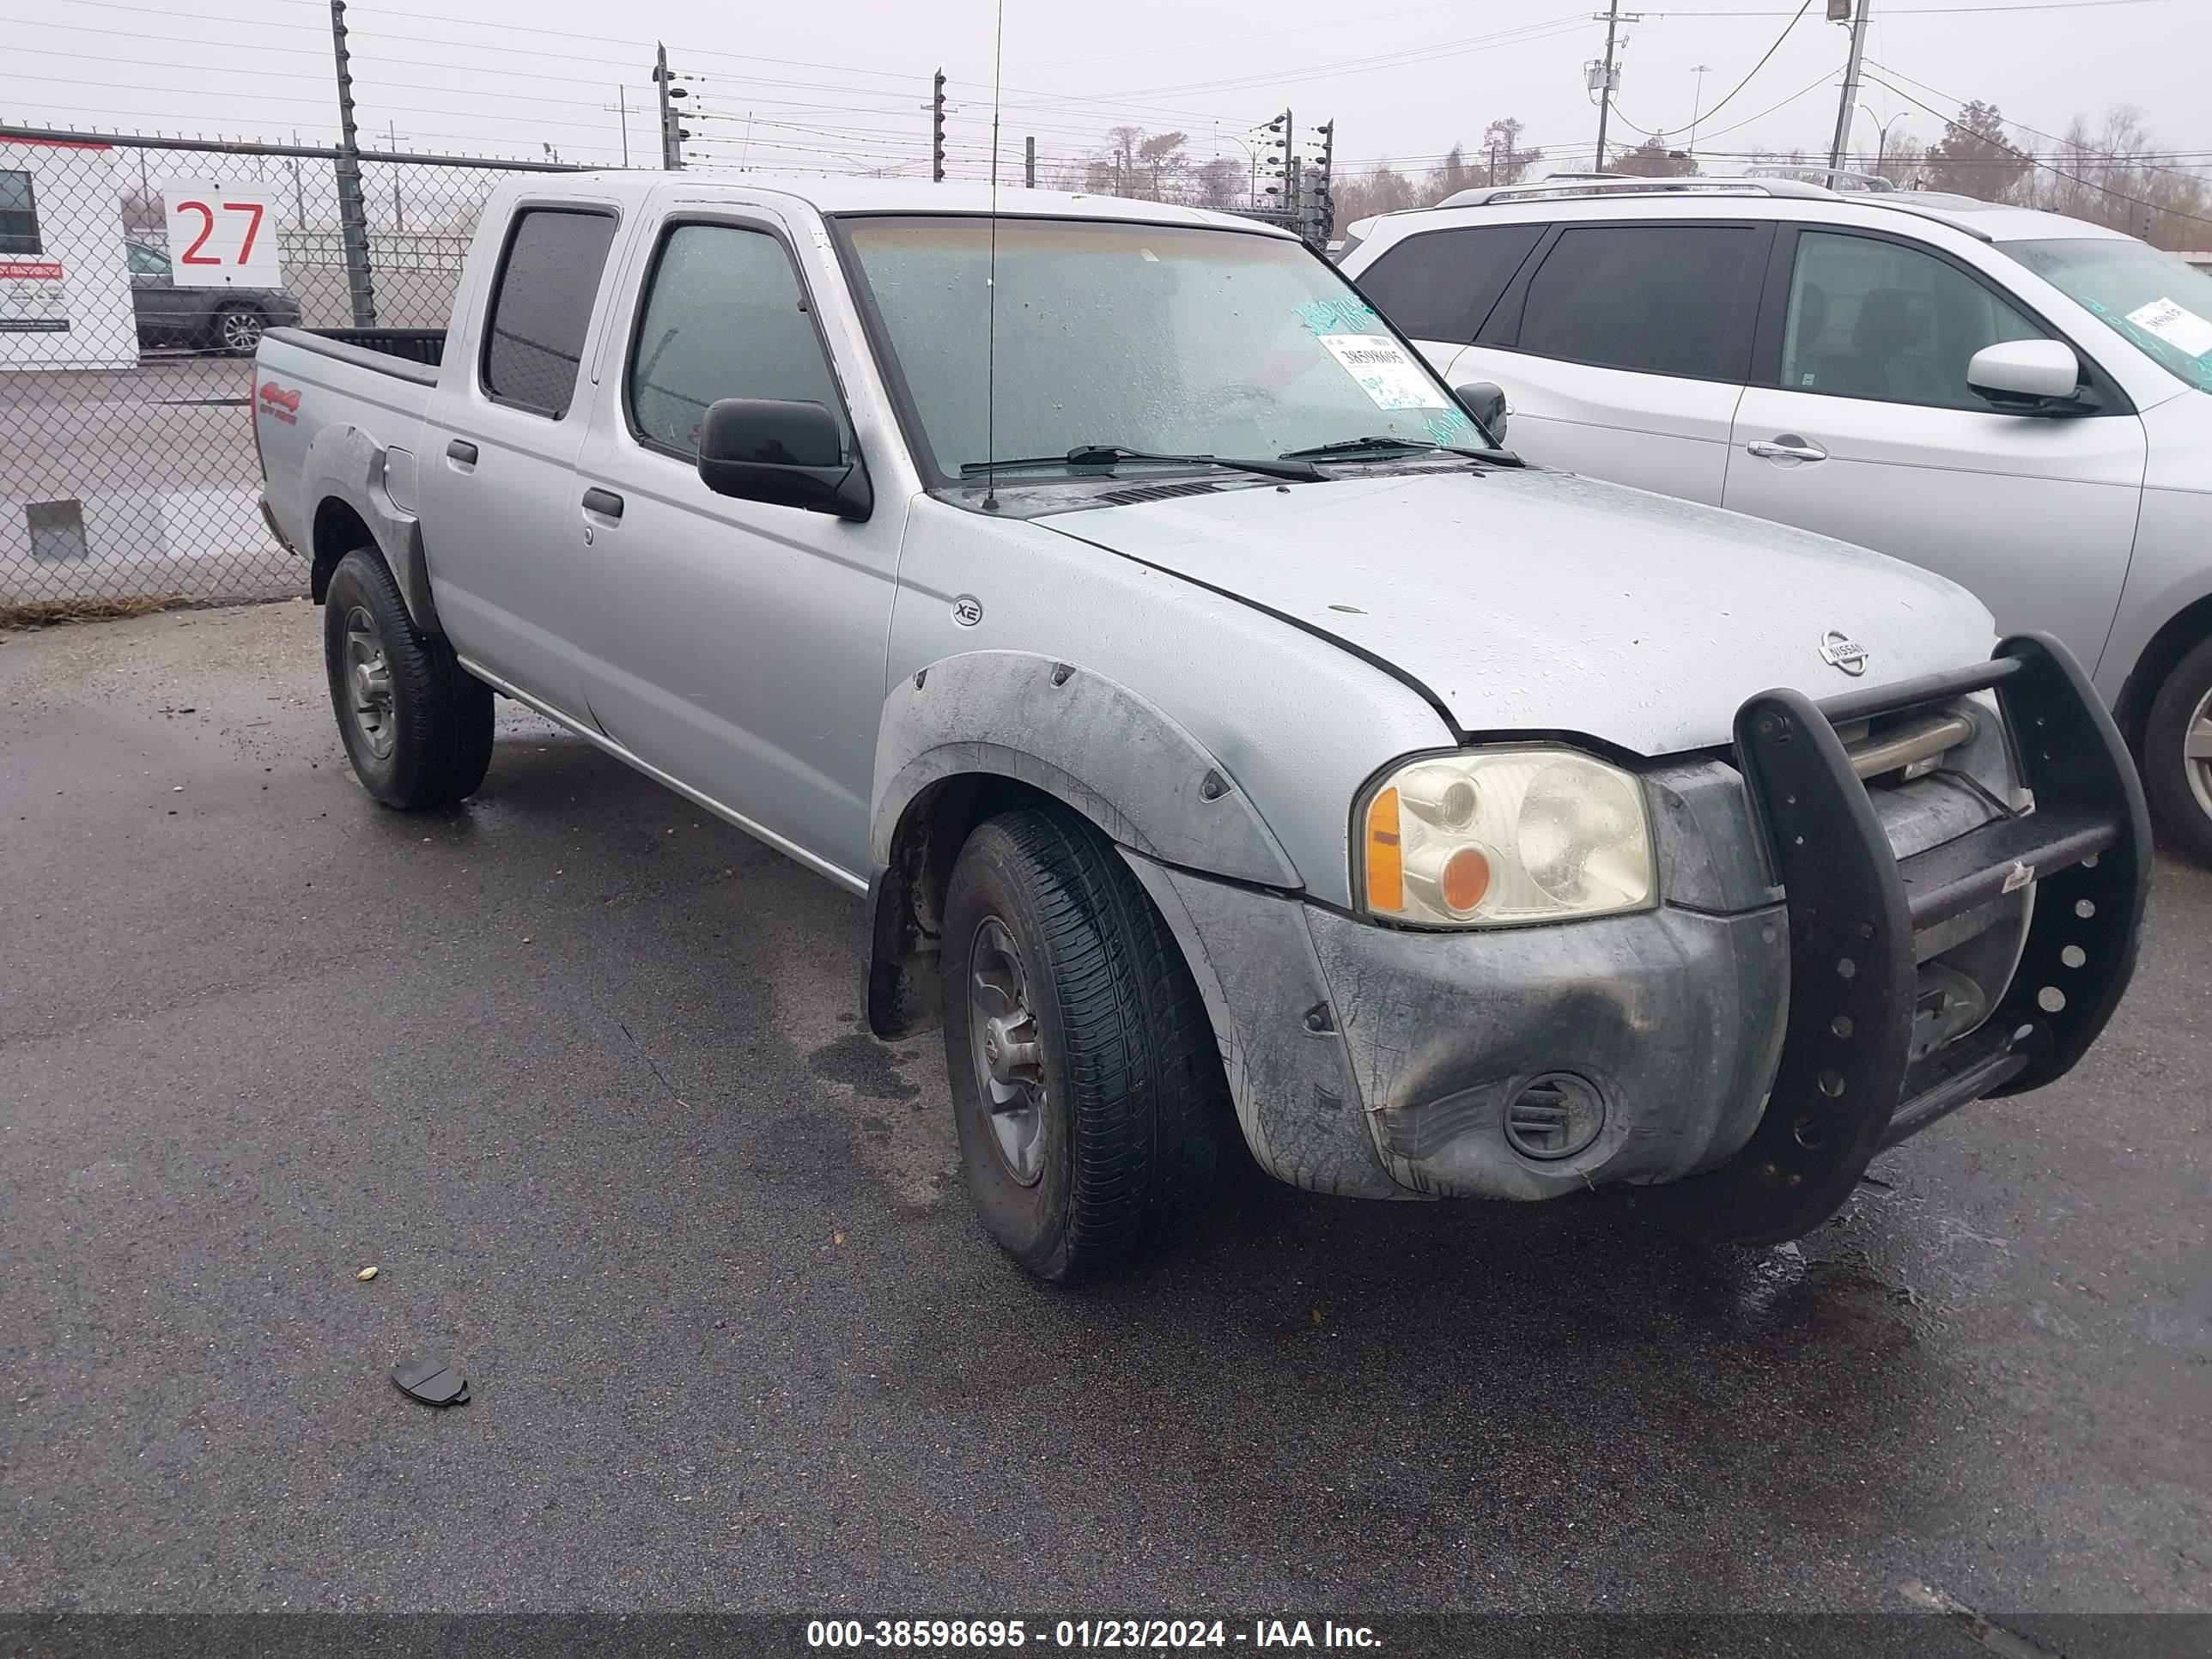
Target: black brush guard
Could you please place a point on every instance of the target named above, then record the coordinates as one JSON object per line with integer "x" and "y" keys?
{"x": 1844, "y": 1089}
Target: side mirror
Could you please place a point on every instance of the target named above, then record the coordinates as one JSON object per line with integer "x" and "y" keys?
{"x": 787, "y": 454}
{"x": 1485, "y": 403}
{"x": 2027, "y": 377}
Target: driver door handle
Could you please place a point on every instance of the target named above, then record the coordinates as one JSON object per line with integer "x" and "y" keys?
{"x": 604, "y": 502}
{"x": 1787, "y": 448}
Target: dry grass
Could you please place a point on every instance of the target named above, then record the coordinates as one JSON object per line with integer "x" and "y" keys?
{"x": 46, "y": 612}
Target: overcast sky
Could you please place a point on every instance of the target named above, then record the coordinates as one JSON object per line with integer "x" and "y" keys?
{"x": 843, "y": 85}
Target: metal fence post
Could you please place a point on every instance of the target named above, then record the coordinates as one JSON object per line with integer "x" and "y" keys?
{"x": 353, "y": 212}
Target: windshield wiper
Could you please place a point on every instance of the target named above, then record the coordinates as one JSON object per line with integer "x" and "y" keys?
{"x": 1297, "y": 470}
{"x": 1379, "y": 448}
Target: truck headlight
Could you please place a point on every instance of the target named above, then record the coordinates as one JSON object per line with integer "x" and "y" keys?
{"x": 1495, "y": 836}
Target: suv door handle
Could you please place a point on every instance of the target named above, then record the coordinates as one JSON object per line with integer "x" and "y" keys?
{"x": 604, "y": 502}
{"x": 1787, "y": 448}
{"x": 461, "y": 450}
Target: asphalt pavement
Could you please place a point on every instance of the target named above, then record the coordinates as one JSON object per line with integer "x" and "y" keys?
{"x": 580, "y": 1072}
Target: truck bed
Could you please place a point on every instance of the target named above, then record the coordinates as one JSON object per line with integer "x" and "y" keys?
{"x": 401, "y": 351}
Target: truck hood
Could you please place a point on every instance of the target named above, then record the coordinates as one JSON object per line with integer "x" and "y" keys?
{"x": 1538, "y": 601}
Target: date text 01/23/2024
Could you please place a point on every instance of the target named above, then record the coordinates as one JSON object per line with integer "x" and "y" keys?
{"x": 1125, "y": 1634}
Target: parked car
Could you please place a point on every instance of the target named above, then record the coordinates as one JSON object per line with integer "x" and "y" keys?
{"x": 211, "y": 318}
{"x": 1212, "y": 721}
{"x": 2019, "y": 400}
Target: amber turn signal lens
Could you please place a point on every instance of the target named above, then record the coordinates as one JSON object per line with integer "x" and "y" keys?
{"x": 1386, "y": 859}
{"x": 1465, "y": 880}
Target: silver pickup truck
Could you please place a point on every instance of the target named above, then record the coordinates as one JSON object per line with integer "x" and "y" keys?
{"x": 1219, "y": 725}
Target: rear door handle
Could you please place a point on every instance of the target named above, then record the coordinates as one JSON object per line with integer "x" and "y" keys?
{"x": 1787, "y": 448}
{"x": 604, "y": 502}
{"x": 461, "y": 450}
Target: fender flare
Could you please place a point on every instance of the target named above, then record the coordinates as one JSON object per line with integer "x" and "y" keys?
{"x": 345, "y": 463}
{"x": 1055, "y": 729}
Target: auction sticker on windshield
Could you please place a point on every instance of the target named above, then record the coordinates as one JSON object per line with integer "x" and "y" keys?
{"x": 1384, "y": 373}
{"x": 2176, "y": 324}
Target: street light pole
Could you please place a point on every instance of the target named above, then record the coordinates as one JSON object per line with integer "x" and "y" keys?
{"x": 1698, "y": 103}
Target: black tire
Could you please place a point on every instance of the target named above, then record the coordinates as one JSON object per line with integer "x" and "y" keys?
{"x": 419, "y": 734}
{"x": 1132, "y": 1093}
{"x": 2167, "y": 770}
{"x": 237, "y": 329}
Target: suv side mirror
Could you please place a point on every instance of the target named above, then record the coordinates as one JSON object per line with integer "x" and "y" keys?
{"x": 1485, "y": 403}
{"x": 2029, "y": 377}
{"x": 785, "y": 452}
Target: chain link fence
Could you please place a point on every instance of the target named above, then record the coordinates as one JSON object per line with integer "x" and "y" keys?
{"x": 128, "y": 476}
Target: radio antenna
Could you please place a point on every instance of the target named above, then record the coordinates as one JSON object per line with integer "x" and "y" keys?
{"x": 991, "y": 286}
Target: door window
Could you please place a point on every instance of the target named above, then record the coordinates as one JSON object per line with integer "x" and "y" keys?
{"x": 1441, "y": 284}
{"x": 541, "y": 307}
{"x": 1877, "y": 320}
{"x": 1659, "y": 299}
{"x": 146, "y": 261}
{"x": 725, "y": 317}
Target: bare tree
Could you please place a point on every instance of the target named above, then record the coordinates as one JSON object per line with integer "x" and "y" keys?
{"x": 1507, "y": 163}
{"x": 1161, "y": 164}
{"x": 1219, "y": 183}
{"x": 2114, "y": 176}
{"x": 1974, "y": 158}
{"x": 1653, "y": 159}
{"x": 1454, "y": 174}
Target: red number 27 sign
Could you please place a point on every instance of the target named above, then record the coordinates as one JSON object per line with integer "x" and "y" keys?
{"x": 222, "y": 236}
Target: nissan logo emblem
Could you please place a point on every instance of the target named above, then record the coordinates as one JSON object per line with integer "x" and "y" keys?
{"x": 1839, "y": 650}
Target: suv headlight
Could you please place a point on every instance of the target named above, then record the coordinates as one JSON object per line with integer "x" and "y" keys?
{"x": 1496, "y": 836}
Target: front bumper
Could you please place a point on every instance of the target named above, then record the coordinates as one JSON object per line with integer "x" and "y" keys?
{"x": 1752, "y": 1041}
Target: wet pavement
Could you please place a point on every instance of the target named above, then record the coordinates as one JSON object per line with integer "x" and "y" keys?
{"x": 581, "y": 1071}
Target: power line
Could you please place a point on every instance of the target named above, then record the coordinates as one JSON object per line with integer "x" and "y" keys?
{"x": 1761, "y": 63}
{"x": 2035, "y": 160}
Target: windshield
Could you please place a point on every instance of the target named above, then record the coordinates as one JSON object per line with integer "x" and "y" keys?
{"x": 2154, "y": 301}
{"x": 1170, "y": 339}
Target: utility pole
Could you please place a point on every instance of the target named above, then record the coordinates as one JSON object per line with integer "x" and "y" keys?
{"x": 1029, "y": 162}
{"x": 620, "y": 106}
{"x": 672, "y": 135}
{"x": 937, "y": 129}
{"x": 353, "y": 212}
{"x": 1609, "y": 80}
{"x": 1698, "y": 103}
{"x": 1848, "y": 108}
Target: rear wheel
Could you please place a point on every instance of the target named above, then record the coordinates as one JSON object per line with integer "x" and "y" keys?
{"x": 1087, "y": 1086}
{"x": 2177, "y": 752}
{"x": 237, "y": 328}
{"x": 417, "y": 724}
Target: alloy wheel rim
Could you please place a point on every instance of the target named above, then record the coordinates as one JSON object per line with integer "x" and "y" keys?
{"x": 369, "y": 684}
{"x": 241, "y": 332}
{"x": 2197, "y": 752}
{"x": 1009, "y": 1058}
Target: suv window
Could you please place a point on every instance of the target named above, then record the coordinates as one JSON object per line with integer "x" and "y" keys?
{"x": 1875, "y": 318}
{"x": 724, "y": 316}
{"x": 1441, "y": 284}
{"x": 146, "y": 261}
{"x": 541, "y": 307}
{"x": 1654, "y": 298}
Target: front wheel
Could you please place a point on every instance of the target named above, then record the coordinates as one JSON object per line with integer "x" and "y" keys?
{"x": 417, "y": 724}
{"x": 2177, "y": 752}
{"x": 1087, "y": 1086}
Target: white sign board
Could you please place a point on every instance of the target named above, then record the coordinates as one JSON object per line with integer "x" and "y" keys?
{"x": 222, "y": 236}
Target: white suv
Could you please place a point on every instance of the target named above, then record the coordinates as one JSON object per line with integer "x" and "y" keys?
{"x": 2018, "y": 400}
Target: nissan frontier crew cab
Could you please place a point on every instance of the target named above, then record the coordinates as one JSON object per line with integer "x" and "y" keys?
{"x": 1216, "y": 721}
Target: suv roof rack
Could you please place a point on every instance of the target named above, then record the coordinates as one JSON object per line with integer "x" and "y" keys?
{"x": 1865, "y": 183}
{"x": 1781, "y": 186}
{"x": 1624, "y": 184}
